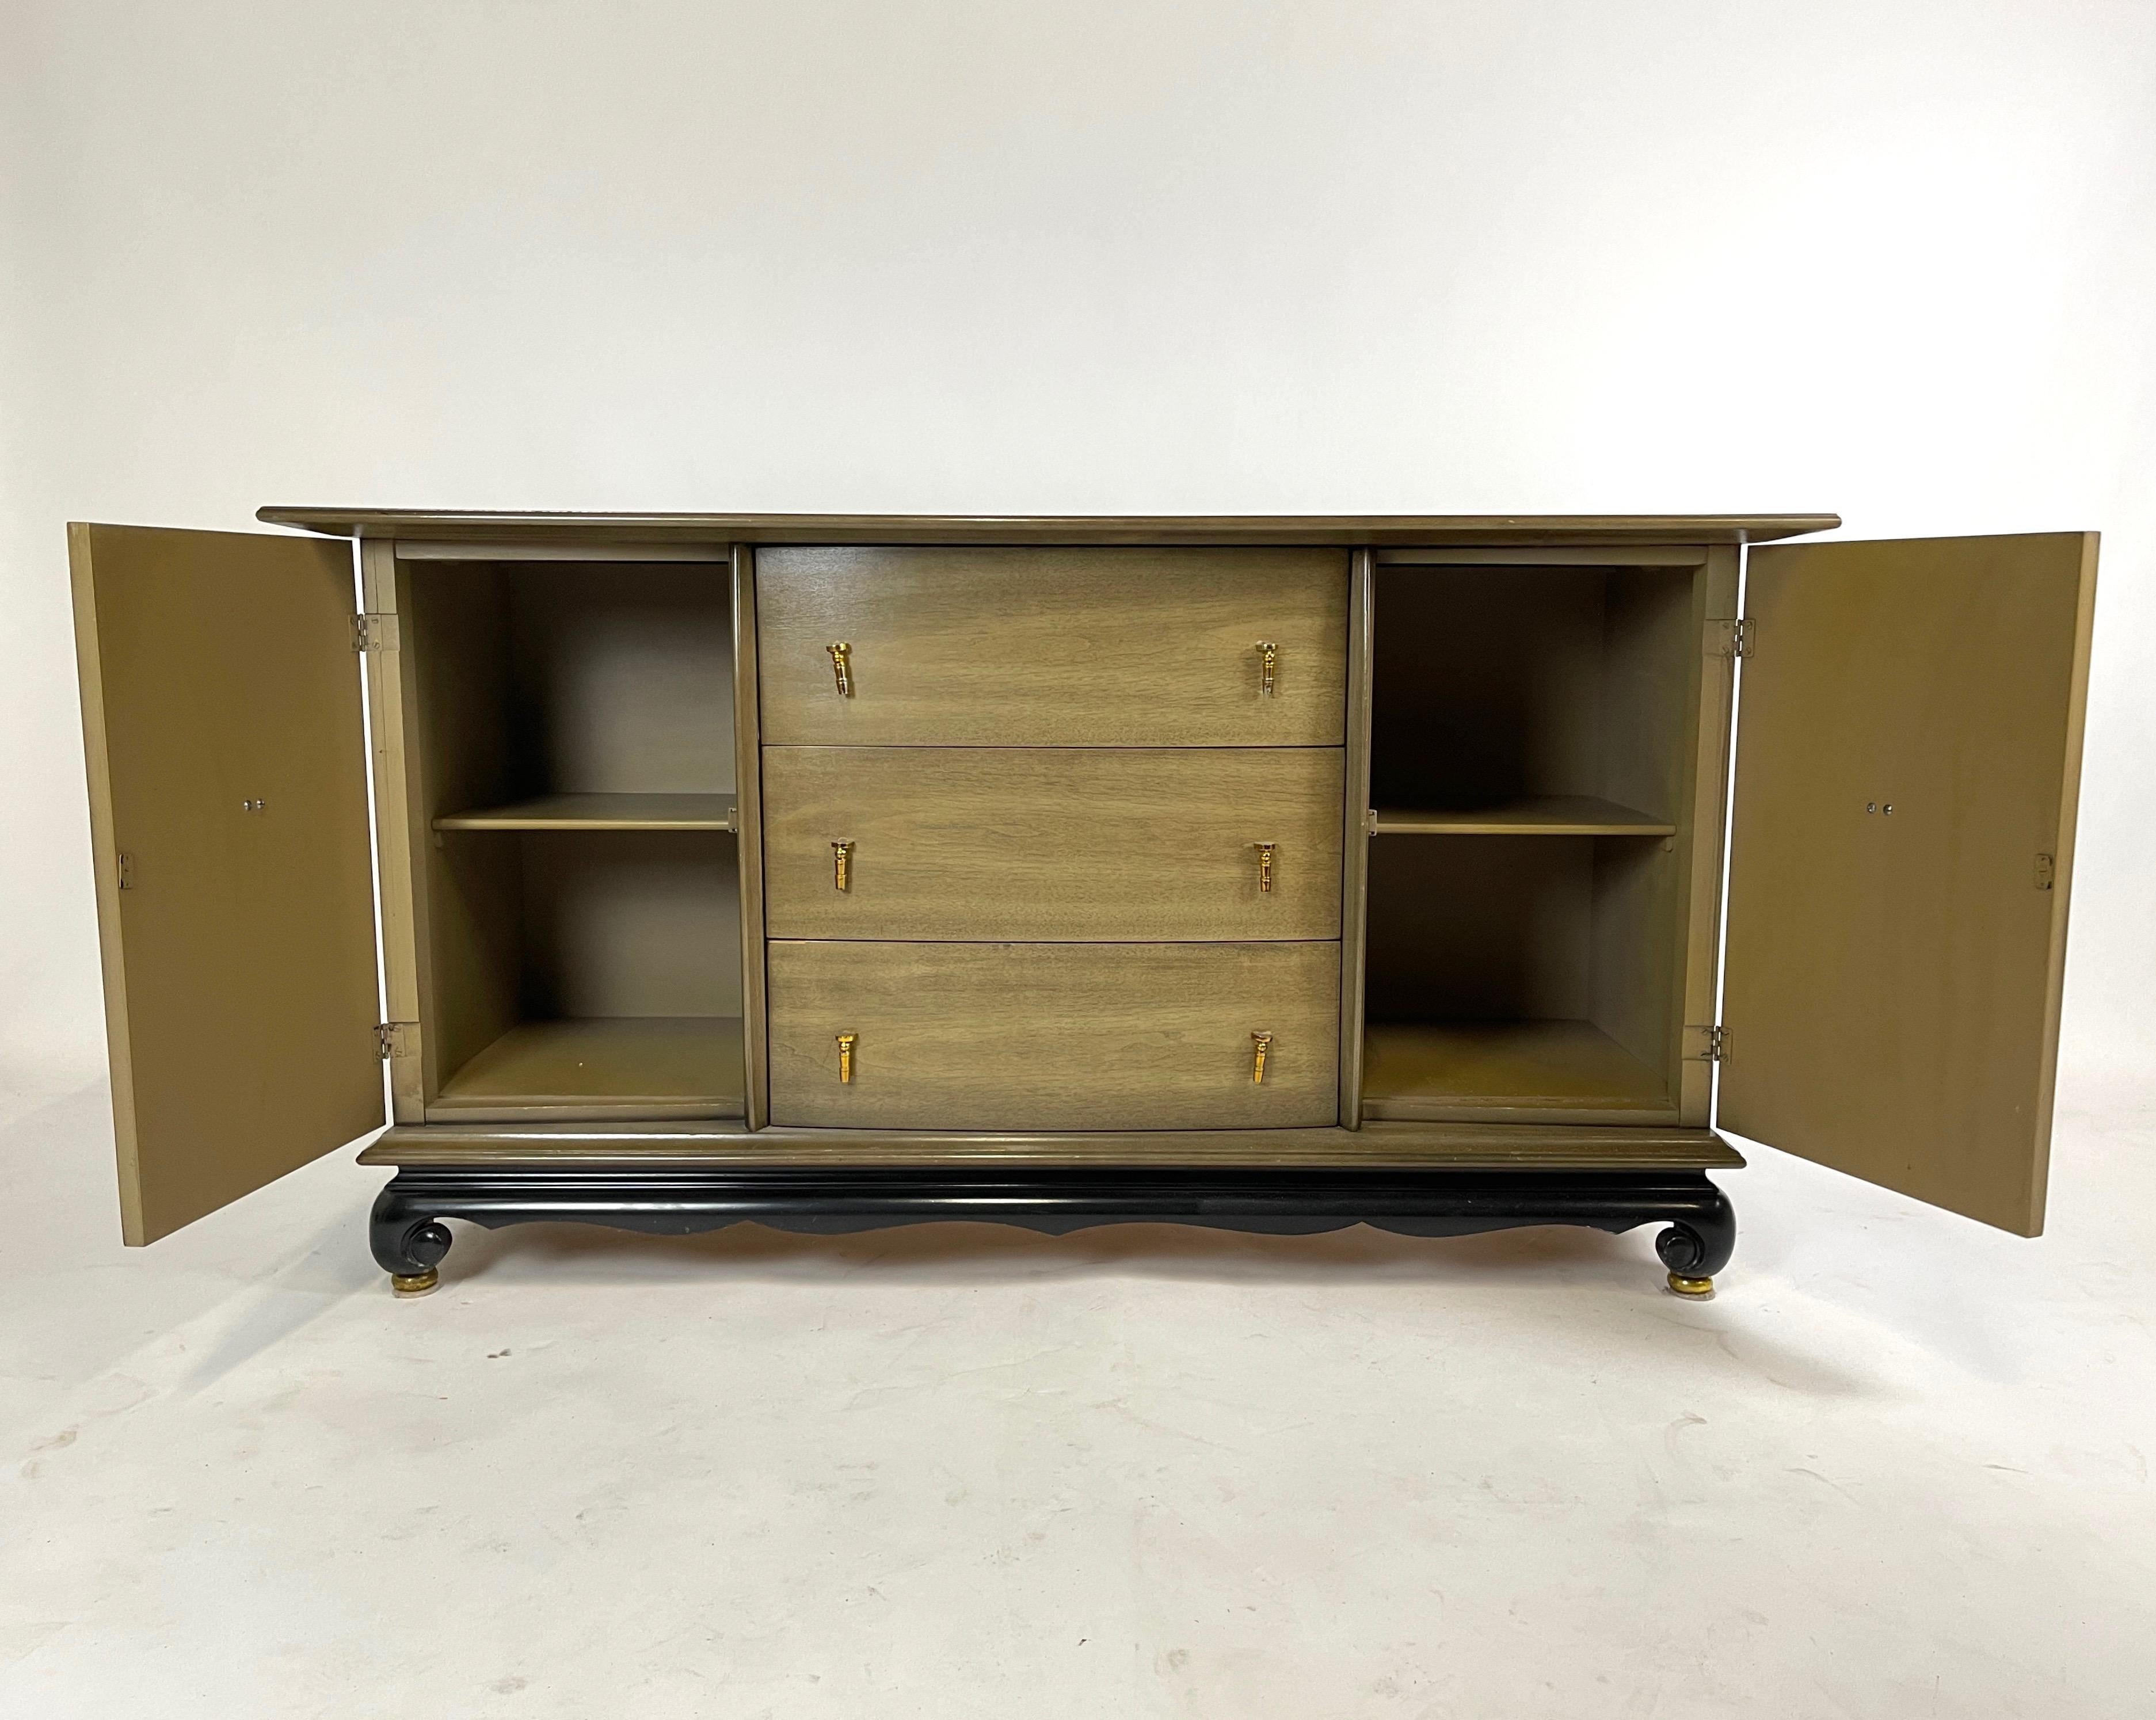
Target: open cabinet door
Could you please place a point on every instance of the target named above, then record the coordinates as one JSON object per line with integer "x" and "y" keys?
{"x": 228, "y": 795}
{"x": 1908, "y": 755}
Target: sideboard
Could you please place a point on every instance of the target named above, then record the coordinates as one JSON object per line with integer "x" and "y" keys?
{"x": 1443, "y": 873}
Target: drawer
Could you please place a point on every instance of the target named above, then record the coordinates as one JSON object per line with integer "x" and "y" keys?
{"x": 1053, "y": 1036}
{"x": 1052, "y": 844}
{"x": 1053, "y": 647}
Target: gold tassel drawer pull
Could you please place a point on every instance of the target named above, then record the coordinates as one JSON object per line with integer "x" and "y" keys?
{"x": 842, "y": 866}
{"x": 1260, "y": 1043}
{"x": 1265, "y": 866}
{"x": 1268, "y": 665}
{"x": 847, "y": 1041}
{"x": 842, "y": 667}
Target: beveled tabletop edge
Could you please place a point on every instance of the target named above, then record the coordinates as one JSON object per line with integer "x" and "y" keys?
{"x": 1351, "y": 531}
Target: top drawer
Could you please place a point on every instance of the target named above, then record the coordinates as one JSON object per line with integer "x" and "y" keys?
{"x": 1053, "y": 647}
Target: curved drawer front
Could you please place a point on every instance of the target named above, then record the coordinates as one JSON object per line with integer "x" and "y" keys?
{"x": 984, "y": 842}
{"x": 1054, "y": 1036}
{"x": 1052, "y": 647}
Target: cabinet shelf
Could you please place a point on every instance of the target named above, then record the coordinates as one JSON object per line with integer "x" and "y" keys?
{"x": 600, "y": 811}
{"x": 1507, "y": 1071}
{"x": 1521, "y": 815}
{"x": 651, "y": 1066}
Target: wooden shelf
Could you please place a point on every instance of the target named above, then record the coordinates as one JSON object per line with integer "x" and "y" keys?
{"x": 565, "y": 1071}
{"x": 1526, "y": 815}
{"x": 600, "y": 811}
{"x": 1507, "y": 1071}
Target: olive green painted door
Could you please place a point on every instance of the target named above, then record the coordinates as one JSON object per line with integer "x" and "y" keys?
{"x": 1908, "y": 755}
{"x": 228, "y": 793}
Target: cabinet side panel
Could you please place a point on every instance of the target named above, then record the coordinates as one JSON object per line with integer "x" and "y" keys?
{"x": 454, "y": 672}
{"x": 748, "y": 803}
{"x": 1648, "y": 699}
{"x": 1355, "y": 838}
{"x": 1703, "y": 829}
{"x": 402, "y": 908}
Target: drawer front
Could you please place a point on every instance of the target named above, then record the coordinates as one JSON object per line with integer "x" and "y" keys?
{"x": 1053, "y": 647}
{"x": 1051, "y": 845}
{"x": 1049, "y": 1036}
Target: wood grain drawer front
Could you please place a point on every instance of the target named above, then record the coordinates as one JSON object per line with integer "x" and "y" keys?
{"x": 1053, "y": 647}
{"x": 1054, "y": 1035}
{"x": 987, "y": 842}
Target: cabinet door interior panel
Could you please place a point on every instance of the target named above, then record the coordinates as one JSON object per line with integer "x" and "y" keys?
{"x": 1894, "y": 976}
{"x": 994, "y": 844}
{"x": 1054, "y": 1036}
{"x": 1053, "y": 647}
{"x": 221, "y": 717}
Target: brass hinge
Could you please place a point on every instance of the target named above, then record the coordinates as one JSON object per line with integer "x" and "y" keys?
{"x": 397, "y": 1038}
{"x": 2047, "y": 870}
{"x": 1732, "y": 639}
{"x": 1707, "y": 1044}
{"x": 126, "y": 869}
{"x": 374, "y": 632}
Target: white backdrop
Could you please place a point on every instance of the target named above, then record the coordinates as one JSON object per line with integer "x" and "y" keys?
{"x": 1894, "y": 258}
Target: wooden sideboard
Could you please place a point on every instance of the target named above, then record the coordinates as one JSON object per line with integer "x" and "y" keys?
{"x": 1272, "y": 873}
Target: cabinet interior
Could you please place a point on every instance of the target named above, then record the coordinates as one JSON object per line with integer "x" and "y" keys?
{"x": 1532, "y": 729}
{"x": 580, "y": 923}
{"x": 571, "y": 725}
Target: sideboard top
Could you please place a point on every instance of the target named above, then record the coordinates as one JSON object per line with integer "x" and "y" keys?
{"x": 1373, "y": 531}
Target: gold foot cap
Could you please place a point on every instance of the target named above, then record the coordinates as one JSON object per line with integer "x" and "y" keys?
{"x": 1699, "y": 1288}
{"x": 424, "y": 1283}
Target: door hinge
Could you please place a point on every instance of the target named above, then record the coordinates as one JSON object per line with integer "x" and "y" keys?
{"x": 397, "y": 1038}
{"x": 2047, "y": 870}
{"x": 1707, "y": 1044}
{"x": 1732, "y": 639}
{"x": 374, "y": 632}
{"x": 127, "y": 870}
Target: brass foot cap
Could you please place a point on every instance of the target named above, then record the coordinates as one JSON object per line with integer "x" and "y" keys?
{"x": 1698, "y": 1288}
{"x": 424, "y": 1283}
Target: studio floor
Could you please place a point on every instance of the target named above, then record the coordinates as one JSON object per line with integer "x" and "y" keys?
{"x": 1900, "y": 1467}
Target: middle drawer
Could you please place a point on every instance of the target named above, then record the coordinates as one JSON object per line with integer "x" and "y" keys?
{"x": 1052, "y": 844}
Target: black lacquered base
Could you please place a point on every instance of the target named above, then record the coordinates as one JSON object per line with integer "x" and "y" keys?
{"x": 410, "y": 1239}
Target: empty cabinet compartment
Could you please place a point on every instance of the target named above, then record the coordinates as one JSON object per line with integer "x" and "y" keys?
{"x": 1540, "y": 699}
{"x": 579, "y": 882}
{"x": 1521, "y": 977}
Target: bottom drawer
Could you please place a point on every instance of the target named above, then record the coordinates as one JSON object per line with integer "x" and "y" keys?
{"x": 1042, "y": 1036}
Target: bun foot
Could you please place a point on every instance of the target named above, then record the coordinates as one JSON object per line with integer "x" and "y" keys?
{"x": 1699, "y": 1289}
{"x": 409, "y": 1284}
